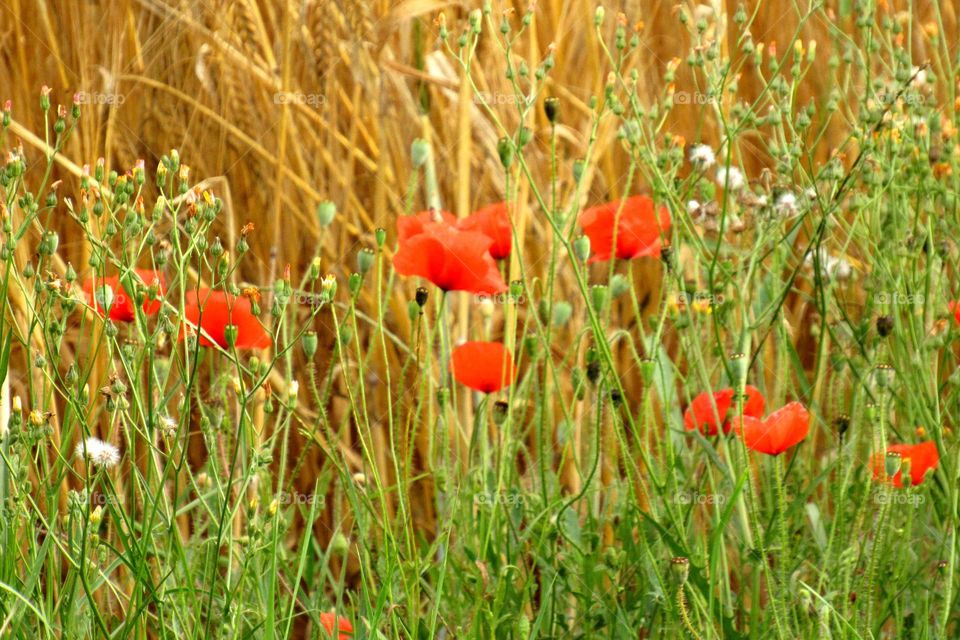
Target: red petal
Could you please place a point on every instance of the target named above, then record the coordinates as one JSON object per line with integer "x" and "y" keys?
{"x": 333, "y": 623}
{"x": 409, "y": 226}
{"x": 494, "y": 222}
{"x": 638, "y": 228}
{"x": 484, "y": 366}
{"x": 214, "y": 310}
{"x": 453, "y": 260}
{"x": 781, "y": 430}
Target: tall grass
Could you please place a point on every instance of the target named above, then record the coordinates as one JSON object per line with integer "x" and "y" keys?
{"x": 344, "y": 470}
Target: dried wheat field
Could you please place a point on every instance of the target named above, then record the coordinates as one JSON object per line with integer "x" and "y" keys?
{"x": 418, "y": 319}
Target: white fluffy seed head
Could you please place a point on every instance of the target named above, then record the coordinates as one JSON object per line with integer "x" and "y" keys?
{"x": 98, "y": 453}
{"x": 702, "y": 156}
{"x": 732, "y": 178}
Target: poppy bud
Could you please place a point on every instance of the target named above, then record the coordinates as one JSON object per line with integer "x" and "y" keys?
{"x": 680, "y": 568}
{"x": 581, "y": 248}
{"x": 598, "y": 296}
{"x": 619, "y": 285}
{"x": 365, "y": 259}
{"x": 421, "y": 297}
{"x": 884, "y": 325}
{"x": 525, "y": 136}
{"x": 551, "y": 107}
{"x": 419, "y": 152}
{"x": 516, "y": 290}
{"x": 309, "y": 344}
{"x": 49, "y": 243}
{"x": 842, "y": 423}
{"x": 562, "y": 311}
{"x": 578, "y": 168}
{"x": 326, "y": 212}
{"x": 381, "y": 235}
{"x": 505, "y": 151}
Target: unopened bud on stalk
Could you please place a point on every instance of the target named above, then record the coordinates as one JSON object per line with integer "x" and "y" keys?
{"x": 328, "y": 287}
{"x": 619, "y": 285}
{"x": 562, "y": 311}
{"x": 326, "y": 212}
{"x": 505, "y": 151}
{"x": 381, "y": 236}
{"x": 419, "y": 153}
{"x": 45, "y": 98}
{"x": 598, "y": 295}
{"x": 421, "y": 297}
{"x": 581, "y": 248}
{"x": 598, "y": 16}
{"x": 906, "y": 478}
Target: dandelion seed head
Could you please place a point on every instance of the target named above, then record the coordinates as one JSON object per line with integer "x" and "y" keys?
{"x": 732, "y": 177}
{"x": 98, "y": 453}
{"x": 702, "y": 156}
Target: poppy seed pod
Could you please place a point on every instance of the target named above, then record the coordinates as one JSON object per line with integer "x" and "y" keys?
{"x": 884, "y": 325}
{"x": 421, "y": 297}
{"x": 551, "y": 108}
{"x": 680, "y": 568}
{"x": 365, "y": 260}
{"x": 892, "y": 463}
{"x": 419, "y": 152}
{"x": 309, "y": 344}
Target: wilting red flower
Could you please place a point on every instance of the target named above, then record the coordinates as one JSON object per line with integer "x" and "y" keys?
{"x": 922, "y": 457}
{"x": 334, "y": 624}
{"x": 492, "y": 221}
{"x": 452, "y": 259}
{"x": 638, "y": 228}
{"x": 780, "y": 430}
{"x": 484, "y": 366}
{"x": 122, "y": 308}
{"x": 700, "y": 414}
{"x": 213, "y": 310}
{"x": 410, "y": 226}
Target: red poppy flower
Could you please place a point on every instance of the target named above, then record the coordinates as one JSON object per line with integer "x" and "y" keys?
{"x": 122, "y": 308}
{"x": 781, "y": 430}
{"x": 494, "y": 222}
{"x": 700, "y": 414}
{"x": 409, "y": 226}
{"x": 638, "y": 228}
{"x": 922, "y": 457}
{"x": 452, "y": 259}
{"x": 955, "y": 308}
{"x": 334, "y": 624}
{"x": 213, "y": 310}
{"x": 484, "y": 366}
